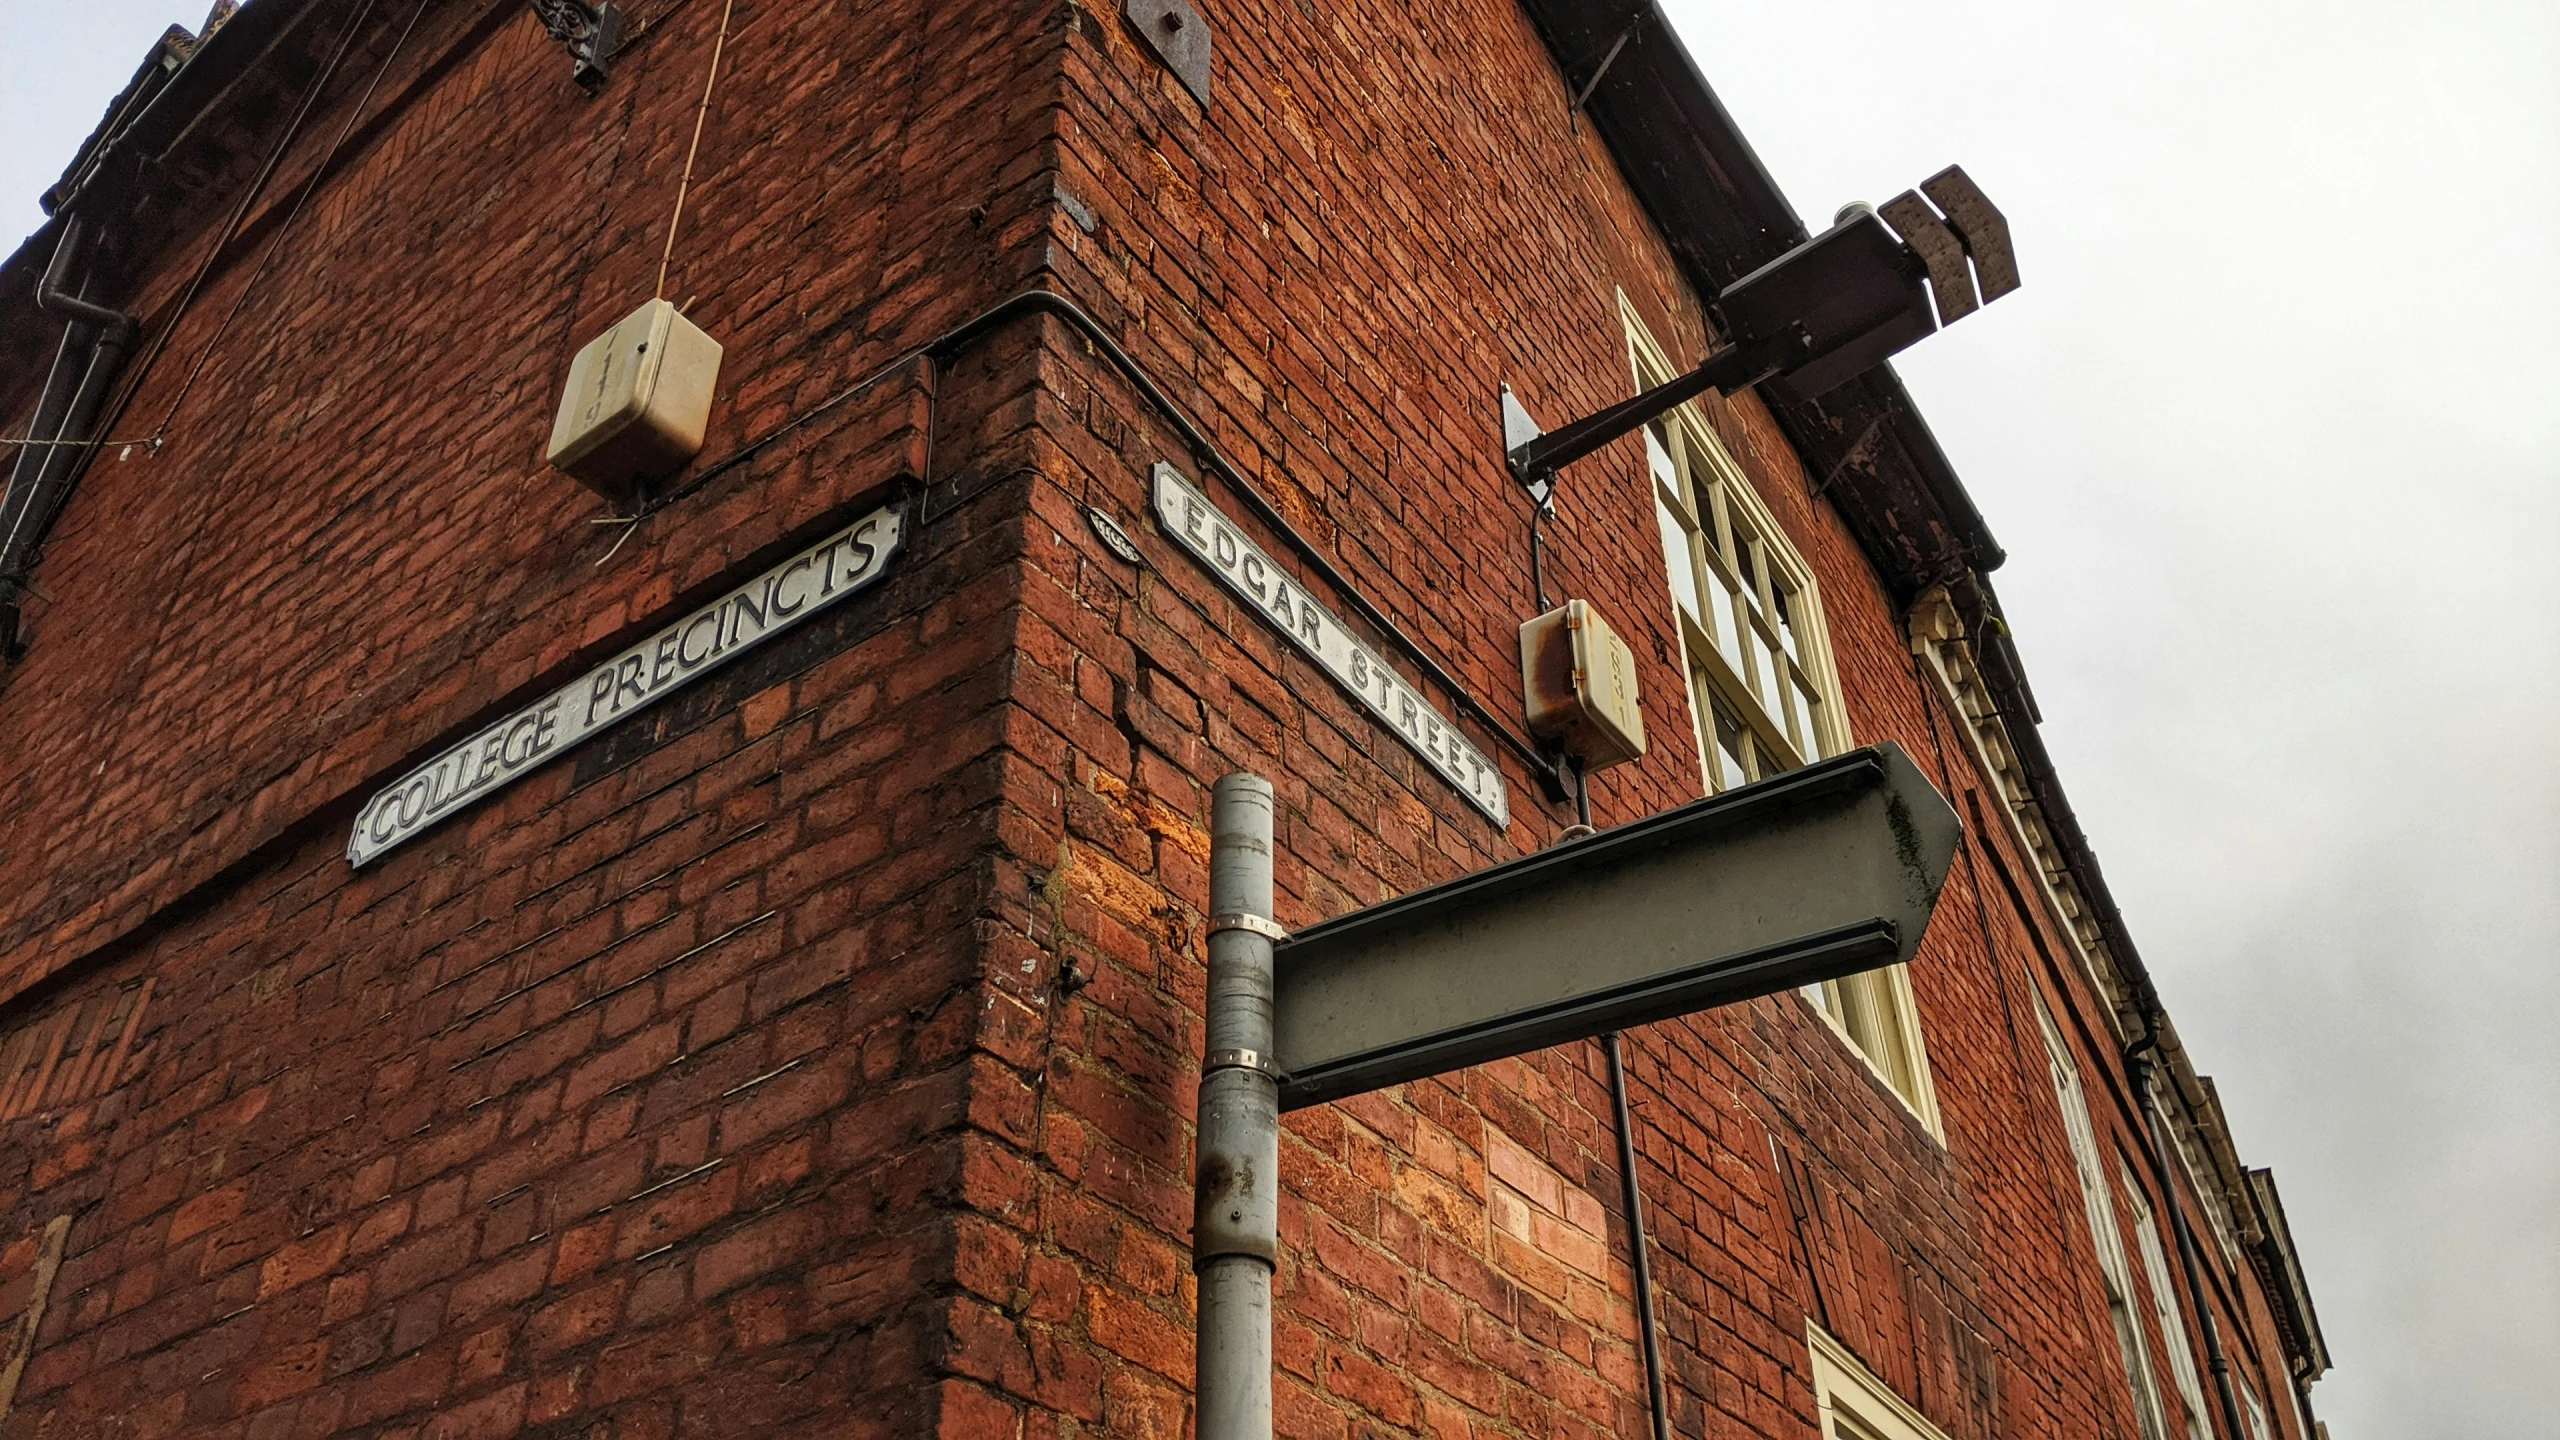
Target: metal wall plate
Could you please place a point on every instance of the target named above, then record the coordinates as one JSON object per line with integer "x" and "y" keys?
{"x": 1179, "y": 37}
{"x": 1115, "y": 539}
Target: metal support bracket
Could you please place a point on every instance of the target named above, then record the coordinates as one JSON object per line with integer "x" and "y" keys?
{"x": 1535, "y": 461}
{"x": 592, "y": 32}
{"x": 1179, "y": 38}
{"x": 1601, "y": 72}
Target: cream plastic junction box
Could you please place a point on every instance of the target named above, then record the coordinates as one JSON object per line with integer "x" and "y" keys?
{"x": 637, "y": 402}
{"x": 1581, "y": 686}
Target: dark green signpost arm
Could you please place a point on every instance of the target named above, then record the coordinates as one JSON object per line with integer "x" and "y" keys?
{"x": 1819, "y": 873}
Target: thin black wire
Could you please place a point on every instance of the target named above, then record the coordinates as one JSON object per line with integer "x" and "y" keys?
{"x": 318, "y": 172}
{"x": 239, "y": 212}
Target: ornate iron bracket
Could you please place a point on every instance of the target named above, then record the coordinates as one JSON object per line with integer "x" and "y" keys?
{"x": 593, "y": 32}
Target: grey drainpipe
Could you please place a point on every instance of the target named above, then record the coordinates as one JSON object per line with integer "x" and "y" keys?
{"x": 46, "y": 468}
{"x": 2139, "y": 1063}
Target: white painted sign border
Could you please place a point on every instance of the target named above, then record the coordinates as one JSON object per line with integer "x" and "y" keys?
{"x": 677, "y": 655}
{"x": 1201, "y": 528}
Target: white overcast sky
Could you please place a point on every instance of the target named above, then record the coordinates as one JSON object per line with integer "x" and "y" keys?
{"x": 2272, "y": 437}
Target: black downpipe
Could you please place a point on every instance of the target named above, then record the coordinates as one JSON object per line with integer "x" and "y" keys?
{"x": 2140, "y": 1062}
{"x": 46, "y": 428}
{"x": 37, "y": 490}
{"x": 1630, "y": 1189}
{"x": 1633, "y": 1196}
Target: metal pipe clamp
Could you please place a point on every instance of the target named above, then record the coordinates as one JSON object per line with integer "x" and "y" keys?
{"x": 1252, "y": 924}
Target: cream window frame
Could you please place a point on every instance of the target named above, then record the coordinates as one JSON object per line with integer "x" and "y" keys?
{"x": 2098, "y": 1199}
{"x": 2259, "y": 1428}
{"x": 1703, "y": 539}
{"x": 2165, "y": 1308}
{"x": 1730, "y": 524}
{"x": 1852, "y": 1404}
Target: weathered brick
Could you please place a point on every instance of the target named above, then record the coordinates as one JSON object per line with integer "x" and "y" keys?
{"x": 898, "y": 918}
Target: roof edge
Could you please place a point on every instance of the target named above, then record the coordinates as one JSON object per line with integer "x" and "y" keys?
{"x": 1722, "y": 216}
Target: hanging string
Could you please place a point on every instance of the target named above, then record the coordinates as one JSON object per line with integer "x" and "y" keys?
{"x": 160, "y": 431}
{"x": 708, "y": 85}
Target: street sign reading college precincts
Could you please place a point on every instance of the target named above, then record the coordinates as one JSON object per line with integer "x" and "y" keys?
{"x": 1216, "y": 542}
{"x": 678, "y": 654}
{"x": 1812, "y": 875}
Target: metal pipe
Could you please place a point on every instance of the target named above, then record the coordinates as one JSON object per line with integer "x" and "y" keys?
{"x": 34, "y": 496}
{"x": 1633, "y": 1194}
{"x": 1235, "y": 1224}
{"x": 113, "y": 325}
{"x": 46, "y": 427}
{"x": 1727, "y": 370}
{"x": 2138, "y": 1058}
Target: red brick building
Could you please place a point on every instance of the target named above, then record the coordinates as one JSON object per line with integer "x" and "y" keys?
{"x": 811, "y": 1053}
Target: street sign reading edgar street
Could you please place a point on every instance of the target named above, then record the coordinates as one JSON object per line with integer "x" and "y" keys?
{"x": 1818, "y": 873}
{"x": 1214, "y": 540}
{"x": 677, "y": 655}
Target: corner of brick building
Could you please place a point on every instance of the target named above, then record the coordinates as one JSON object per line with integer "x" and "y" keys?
{"x": 656, "y": 1092}
{"x": 815, "y": 1055}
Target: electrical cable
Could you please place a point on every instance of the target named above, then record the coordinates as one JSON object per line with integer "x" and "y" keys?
{"x": 1038, "y": 300}
{"x": 239, "y": 212}
{"x": 709, "y": 83}
{"x": 160, "y": 432}
{"x": 1537, "y": 556}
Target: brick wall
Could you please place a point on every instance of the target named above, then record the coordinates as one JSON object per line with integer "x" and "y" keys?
{"x": 814, "y": 1053}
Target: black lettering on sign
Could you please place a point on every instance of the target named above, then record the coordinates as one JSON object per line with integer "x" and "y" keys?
{"x": 693, "y": 627}
{"x": 1187, "y": 516}
{"x": 739, "y": 608}
{"x": 667, "y": 660}
{"x": 796, "y": 567}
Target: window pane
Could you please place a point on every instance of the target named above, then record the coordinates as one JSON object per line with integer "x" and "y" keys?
{"x": 1676, "y": 561}
{"x": 1766, "y": 760}
{"x": 1807, "y": 704}
{"x": 1729, "y": 750}
{"x": 1765, "y": 663}
{"x": 1786, "y": 604}
{"x": 1727, "y": 621}
{"x": 1657, "y": 458}
{"x": 1746, "y": 563}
